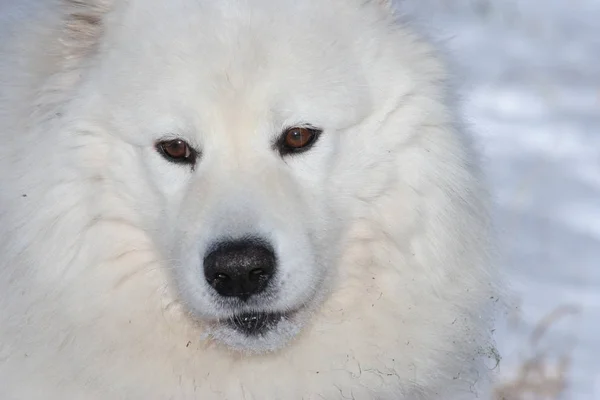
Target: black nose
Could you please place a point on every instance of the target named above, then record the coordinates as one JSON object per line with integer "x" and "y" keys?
{"x": 240, "y": 268}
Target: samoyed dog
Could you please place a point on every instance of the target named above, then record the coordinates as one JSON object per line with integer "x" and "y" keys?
{"x": 235, "y": 199}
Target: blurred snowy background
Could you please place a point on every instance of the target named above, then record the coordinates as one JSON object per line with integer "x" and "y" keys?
{"x": 529, "y": 72}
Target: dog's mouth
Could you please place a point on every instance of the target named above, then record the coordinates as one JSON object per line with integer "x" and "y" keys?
{"x": 256, "y": 323}
{"x": 257, "y": 332}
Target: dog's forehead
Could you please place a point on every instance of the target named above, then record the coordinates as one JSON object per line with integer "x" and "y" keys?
{"x": 231, "y": 36}
{"x": 223, "y": 63}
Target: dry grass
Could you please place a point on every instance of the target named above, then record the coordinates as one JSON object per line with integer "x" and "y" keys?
{"x": 539, "y": 377}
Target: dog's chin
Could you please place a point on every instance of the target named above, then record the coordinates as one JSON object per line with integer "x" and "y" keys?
{"x": 257, "y": 332}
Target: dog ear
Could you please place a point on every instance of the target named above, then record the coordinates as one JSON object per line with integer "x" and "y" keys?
{"x": 75, "y": 37}
{"x": 83, "y": 25}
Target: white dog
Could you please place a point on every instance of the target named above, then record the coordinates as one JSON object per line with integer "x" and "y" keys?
{"x": 234, "y": 199}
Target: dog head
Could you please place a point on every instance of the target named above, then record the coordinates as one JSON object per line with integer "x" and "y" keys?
{"x": 249, "y": 137}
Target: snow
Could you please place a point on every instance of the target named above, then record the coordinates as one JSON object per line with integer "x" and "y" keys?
{"x": 529, "y": 74}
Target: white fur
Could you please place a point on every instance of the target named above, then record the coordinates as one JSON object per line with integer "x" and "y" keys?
{"x": 381, "y": 229}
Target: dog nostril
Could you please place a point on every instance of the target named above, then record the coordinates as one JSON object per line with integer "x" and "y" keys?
{"x": 218, "y": 280}
{"x": 222, "y": 277}
{"x": 256, "y": 274}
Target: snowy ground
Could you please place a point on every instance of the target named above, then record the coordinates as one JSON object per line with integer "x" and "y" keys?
{"x": 531, "y": 75}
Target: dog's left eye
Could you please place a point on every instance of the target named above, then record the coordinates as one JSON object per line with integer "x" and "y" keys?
{"x": 297, "y": 139}
{"x": 177, "y": 151}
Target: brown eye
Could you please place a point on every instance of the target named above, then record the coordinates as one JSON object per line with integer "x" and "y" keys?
{"x": 177, "y": 151}
{"x": 298, "y": 139}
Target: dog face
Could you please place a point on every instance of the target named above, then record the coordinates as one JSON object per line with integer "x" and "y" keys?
{"x": 239, "y": 141}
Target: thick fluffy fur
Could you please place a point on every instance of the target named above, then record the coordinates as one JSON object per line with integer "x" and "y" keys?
{"x": 381, "y": 229}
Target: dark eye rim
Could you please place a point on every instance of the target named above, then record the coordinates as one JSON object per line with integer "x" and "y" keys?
{"x": 285, "y": 150}
{"x": 160, "y": 144}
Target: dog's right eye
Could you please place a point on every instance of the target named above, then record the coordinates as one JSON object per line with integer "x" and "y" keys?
{"x": 177, "y": 151}
{"x": 297, "y": 139}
